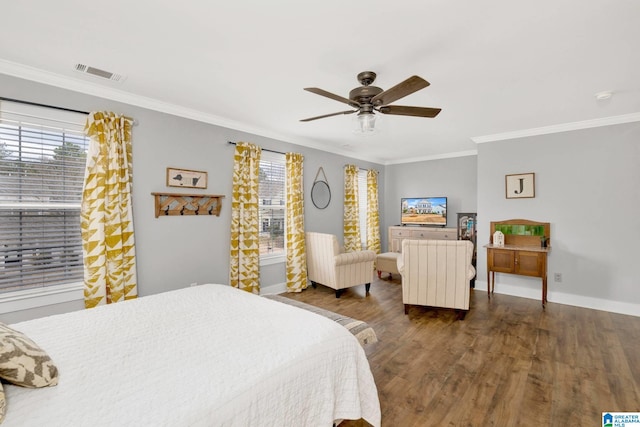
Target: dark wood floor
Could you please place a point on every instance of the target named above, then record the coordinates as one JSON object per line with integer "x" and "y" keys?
{"x": 509, "y": 363}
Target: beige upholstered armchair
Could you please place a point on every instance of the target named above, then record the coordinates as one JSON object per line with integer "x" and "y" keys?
{"x": 436, "y": 273}
{"x": 328, "y": 266}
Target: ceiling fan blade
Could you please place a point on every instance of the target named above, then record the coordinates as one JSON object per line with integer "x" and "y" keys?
{"x": 401, "y": 110}
{"x": 407, "y": 87}
{"x": 333, "y": 96}
{"x": 328, "y": 115}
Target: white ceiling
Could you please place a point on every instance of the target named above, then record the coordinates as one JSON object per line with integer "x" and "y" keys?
{"x": 494, "y": 66}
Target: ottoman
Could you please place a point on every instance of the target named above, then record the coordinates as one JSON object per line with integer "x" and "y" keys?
{"x": 388, "y": 262}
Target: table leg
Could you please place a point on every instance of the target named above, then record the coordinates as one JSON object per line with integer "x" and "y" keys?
{"x": 488, "y": 284}
{"x": 544, "y": 290}
{"x": 493, "y": 281}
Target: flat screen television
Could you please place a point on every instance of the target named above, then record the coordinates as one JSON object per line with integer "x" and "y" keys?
{"x": 426, "y": 211}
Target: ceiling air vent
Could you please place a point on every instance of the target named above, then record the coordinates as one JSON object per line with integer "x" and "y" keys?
{"x": 99, "y": 73}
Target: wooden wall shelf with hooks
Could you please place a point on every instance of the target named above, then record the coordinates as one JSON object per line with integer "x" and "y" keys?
{"x": 171, "y": 204}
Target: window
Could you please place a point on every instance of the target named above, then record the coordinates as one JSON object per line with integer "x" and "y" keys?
{"x": 362, "y": 206}
{"x": 42, "y": 161}
{"x": 271, "y": 194}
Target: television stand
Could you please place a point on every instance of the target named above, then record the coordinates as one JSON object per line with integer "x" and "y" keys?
{"x": 398, "y": 233}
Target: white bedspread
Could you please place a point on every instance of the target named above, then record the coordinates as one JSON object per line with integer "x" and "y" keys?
{"x": 209, "y": 355}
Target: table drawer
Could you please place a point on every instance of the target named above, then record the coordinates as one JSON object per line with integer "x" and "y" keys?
{"x": 403, "y": 233}
{"x": 434, "y": 234}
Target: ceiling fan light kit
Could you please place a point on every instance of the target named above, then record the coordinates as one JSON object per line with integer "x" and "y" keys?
{"x": 368, "y": 99}
{"x": 365, "y": 123}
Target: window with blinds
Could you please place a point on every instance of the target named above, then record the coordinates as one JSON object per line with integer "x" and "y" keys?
{"x": 42, "y": 159}
{"x": 272, "y": 204}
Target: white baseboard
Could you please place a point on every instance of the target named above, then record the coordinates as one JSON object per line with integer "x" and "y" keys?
{"x": 278, "y": 288}
{"x": 564, "y": 298}
{"x": 524, "y": 292}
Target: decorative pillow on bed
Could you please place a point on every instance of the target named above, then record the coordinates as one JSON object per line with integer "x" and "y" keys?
{"x": 22, "y": 362}
{"x": 3, "y": 404}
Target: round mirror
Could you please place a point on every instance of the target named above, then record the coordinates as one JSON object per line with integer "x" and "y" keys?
{"x": 320, "y": 194}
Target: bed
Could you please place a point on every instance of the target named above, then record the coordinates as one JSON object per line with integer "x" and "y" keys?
{"x": 208, "y": 355}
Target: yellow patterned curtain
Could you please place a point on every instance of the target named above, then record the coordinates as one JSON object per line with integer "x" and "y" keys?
{"x": 373, "y": 216}
{"x": 352, "y": 241}
{"x": 106, "y": 217}
{"x": 296, "y": 250}
{"x": 244, "y": 269}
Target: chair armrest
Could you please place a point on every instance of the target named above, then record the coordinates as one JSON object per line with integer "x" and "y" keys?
{"x": 354, "y": 257}
{"x": 400, "y": 264}
{"x": 471, "y": 272}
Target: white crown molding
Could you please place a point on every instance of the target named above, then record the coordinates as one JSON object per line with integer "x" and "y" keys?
{"x": 89, "y": 88}
{"x": 565, "y": 127}
{"x": 434, "y": 157}
{"x": 86, "y": 87}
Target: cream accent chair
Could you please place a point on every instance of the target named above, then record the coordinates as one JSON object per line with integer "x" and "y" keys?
{"x": 328, "y": 266}
{"x": 436, "y": 273}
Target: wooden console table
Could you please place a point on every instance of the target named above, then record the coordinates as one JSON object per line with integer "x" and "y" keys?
{"x": 522, "y": 253}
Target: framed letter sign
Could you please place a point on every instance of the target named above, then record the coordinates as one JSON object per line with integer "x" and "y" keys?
{"x": 520, "y": 186}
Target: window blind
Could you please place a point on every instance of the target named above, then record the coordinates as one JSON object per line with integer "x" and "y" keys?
{"x": 271, "y": 193}
{"x": 42, "y": 161}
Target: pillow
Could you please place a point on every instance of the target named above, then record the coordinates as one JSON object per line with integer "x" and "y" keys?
{"x": 22, "y": 362}
{"x": 3, "y": 404}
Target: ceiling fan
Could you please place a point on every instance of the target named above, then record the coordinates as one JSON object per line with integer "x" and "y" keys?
{"x": 367, "y": 99}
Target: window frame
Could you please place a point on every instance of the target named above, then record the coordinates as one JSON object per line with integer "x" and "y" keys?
{"x": 277, "y": 158}
{"x": 47, "y": 119}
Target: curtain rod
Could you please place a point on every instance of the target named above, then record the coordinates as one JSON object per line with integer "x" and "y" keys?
{"x": 19, "y": 101}
{"x": 359, "y": 168}
{"x": 263, "y": 149}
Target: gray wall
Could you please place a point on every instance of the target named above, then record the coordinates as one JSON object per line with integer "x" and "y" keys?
{"x": 455, "y": 178}
{"x": 173, "y": 252}
{"x": 587, "y": 185}
{"x": 329, "y": 220}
